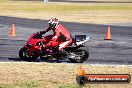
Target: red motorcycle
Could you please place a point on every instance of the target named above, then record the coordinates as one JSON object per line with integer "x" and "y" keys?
{"x": 35, "y": 47}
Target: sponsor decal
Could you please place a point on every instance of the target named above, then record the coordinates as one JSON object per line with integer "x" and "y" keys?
{"x": 83, "y": 78}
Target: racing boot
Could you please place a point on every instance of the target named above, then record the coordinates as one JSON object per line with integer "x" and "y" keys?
{"x": 60, "y": 54}
{"x": 63, "y": 52}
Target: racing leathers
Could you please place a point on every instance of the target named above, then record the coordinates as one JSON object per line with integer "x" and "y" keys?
{"x": 61, "y": 38}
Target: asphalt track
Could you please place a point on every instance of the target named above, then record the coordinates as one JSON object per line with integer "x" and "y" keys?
{"x": 116, "y": 51}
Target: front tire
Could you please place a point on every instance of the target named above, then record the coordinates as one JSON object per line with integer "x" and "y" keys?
{"x": 79, "y": 56}
{"x": 23, "y": 54}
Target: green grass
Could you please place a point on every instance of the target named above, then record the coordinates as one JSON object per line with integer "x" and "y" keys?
{"x": 30, "y": 6}
{"x": 73, "y": 8}
{"x": 73, "y": 86}
{"x": 38, "y": 84}
{"x": 53, "y": 75}
{"x": 23, "y": 84}
{"x": 95, "y": 13}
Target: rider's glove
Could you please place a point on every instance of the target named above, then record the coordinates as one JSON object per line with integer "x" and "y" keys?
{"x": 42, "y": 32}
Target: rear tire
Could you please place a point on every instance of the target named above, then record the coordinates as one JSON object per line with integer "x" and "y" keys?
{"x": 82, "y": 57}
{"x": 23, "y": 54}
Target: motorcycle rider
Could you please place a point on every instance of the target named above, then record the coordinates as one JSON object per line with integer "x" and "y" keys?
{"x": 61, "y": 37}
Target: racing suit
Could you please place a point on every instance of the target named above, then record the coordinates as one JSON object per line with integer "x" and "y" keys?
{"x": 61, "y": 38}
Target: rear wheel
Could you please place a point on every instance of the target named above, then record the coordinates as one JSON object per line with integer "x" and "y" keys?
{"x": 23, "y": 54}
{"x": 78, "y": 56}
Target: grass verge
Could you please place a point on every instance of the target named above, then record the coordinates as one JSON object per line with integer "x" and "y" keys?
{"x": 64, "y": 7}
{"x": 23, "y": 84}
{"x": 55, "y": 75}
{"x": 100, "y": 13}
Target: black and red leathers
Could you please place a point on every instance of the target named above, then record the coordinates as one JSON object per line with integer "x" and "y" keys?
{"x": 61, "y": 37}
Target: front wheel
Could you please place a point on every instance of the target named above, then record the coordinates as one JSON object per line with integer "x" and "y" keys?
{"x": 23, "y": 54}
{"x": 78, "y": 56}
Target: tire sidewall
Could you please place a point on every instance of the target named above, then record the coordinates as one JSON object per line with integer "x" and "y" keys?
{"x": 24, "y": 58}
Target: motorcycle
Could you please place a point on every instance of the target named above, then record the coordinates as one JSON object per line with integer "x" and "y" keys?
{"x": 35, "y": 47}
